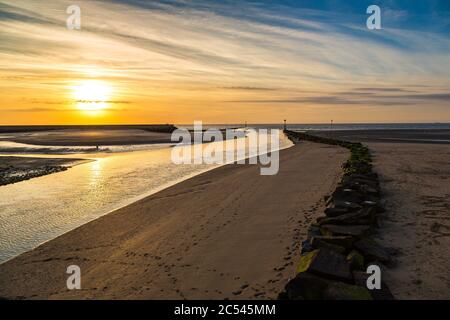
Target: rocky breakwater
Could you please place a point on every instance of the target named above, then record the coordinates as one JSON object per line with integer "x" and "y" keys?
{"x": 11, "y": 174}
{"x": 340, "y": 246}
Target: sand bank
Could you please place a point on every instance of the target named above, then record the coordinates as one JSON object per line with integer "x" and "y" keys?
{"x": 228, "y": 233}
{"x": 91, "y": 137}
{"x": 415, "y": 179}
{"x": 16, "y": 169}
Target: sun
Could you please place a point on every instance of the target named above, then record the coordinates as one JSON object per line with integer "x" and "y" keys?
{"x": 92, "y": 95}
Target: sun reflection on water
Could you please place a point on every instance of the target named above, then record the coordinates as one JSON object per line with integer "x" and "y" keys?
{"x": 96, "y": 171}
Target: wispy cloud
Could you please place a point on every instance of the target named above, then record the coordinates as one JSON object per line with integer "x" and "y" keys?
{"x": 360, "y": 96}
{"x": 378, "y": 89}
{"x": 249, "y": 88}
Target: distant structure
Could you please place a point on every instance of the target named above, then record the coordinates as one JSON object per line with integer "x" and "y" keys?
{"x": 285, "y": 126}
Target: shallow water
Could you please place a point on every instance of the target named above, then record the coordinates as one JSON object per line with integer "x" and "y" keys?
{"x": 40, "y": 209}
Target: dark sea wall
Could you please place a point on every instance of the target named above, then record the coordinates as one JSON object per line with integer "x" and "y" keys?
{"x": 339, "y": 247}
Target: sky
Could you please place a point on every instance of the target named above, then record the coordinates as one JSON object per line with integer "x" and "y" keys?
{"x": 310, "y": 61}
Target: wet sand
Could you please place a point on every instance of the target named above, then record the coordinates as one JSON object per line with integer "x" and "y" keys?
{"x": 415, "y": 179}
{"x": 227, "y": 233}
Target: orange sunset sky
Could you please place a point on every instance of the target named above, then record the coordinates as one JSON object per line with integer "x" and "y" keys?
{"x": 220, "y": 62}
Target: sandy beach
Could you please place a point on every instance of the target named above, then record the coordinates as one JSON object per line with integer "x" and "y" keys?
{"x": 228, "y": 233}
{"x": 415, "y": 179}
